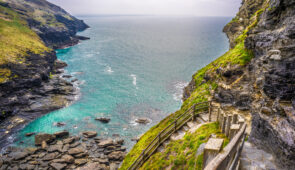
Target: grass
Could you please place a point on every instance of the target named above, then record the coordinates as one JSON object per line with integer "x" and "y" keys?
{"x": 181, "y": 154}
{"x": 17, "y": 41}
{"x": 238, "y": 55}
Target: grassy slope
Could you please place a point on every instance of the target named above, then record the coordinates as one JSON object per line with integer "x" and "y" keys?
{"x": 239, "y": 55}
{"x": 16, "y": 41}
{"x": 181, "y": 154}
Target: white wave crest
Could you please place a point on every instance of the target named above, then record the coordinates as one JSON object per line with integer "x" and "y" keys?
{"x": 109, "y": 69}
{"x": 178, "y": 93}
{"x": 134, "y": 79}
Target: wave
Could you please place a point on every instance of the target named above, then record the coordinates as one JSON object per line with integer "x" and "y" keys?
{"x": 178, "y": 90}
{"x": 109, "y": 69}
{"x": 134, "y": 79}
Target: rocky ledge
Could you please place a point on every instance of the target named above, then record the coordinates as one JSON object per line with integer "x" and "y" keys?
{"x": 61, "y": 151}
{"x": 29, "y": 99}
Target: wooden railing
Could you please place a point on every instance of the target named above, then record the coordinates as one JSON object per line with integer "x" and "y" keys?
{"x": 178, "y": 123}
{"x": 228, "y": 158}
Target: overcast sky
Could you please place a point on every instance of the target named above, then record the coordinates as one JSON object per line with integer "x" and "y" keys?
{"x": 151, "y": 7}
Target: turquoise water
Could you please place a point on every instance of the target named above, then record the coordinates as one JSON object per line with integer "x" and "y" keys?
{"x": 133, "y": 66}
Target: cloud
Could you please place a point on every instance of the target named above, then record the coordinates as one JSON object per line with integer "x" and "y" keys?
{"x": 152, "y": 7}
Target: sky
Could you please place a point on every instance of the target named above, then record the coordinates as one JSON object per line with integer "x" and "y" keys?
{"x": 151, "y": 7}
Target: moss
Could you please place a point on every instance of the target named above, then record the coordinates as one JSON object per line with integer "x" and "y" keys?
{"x": 181, "y": 154}
{"x": 238, "y": 55}
{"x": 17, "y": 40}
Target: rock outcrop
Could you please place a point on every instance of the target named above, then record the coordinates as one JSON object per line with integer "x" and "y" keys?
{"x": 55, "y": 26}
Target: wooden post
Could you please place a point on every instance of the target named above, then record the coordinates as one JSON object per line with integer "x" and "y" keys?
{"x": 212, "y": 148}
{"x": 228, "y": 124}
{"x": 193, "y": 115}
{"x": 218, "y": 114}
{"x": 175, "y": 124}
{"x": 159, "y": 138}
{"x": 234, "y": 128}
{"x": 223, "y": 123}
{"x": 210, "y": 110}
{"x": 235, "y": 118}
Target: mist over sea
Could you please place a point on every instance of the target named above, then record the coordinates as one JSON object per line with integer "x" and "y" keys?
{"x": 133, "y": 66}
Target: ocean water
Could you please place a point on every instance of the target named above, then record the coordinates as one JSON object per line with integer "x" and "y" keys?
{"x": 133, "y": 66}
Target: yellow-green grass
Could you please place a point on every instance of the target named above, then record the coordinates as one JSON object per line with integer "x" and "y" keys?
{"x": 181, "y": 154}
{"x": 17, "y": 41}
{"x": 239, "y": 55}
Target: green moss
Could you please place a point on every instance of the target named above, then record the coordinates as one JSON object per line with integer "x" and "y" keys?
{"x": 181, "y": 154}
{"x": 239, "y": 55}
{"x": 17, "y": 40}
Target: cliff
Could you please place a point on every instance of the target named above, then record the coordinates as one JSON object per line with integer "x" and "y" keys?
{"x": 254, "y": 78}
{"x": 30, "y": 81}
{"x": 55, "y": 26}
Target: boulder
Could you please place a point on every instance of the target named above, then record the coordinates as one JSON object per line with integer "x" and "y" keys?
{"x": 68, "y": 158}
{"x": 61, "y": 134}
{"x": 266, "y": 110}
{"x": 39, "y": 138}
{"x": 75, "y": 151}
{"x": 19, "y": 155}
{"x": 80, "y": 161}
{"x": 54, "y": 148}
{"x": 50, "y": 156}
{"x": 59, "y": 124}
{"x": 103, "y": 119}
{"x": 92, "y": 165}
{"x": 58, "y": 166}
{"x": 30, "y": 134}
{"x": 69, "y": 140}
{"x": 105, "y": 143}
{"x": 89, "y": 134}
{"x": 142, "y": 120}
{"x": 117, "y": 155}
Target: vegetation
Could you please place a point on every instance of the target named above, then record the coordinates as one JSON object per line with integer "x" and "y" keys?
{"x": 182, "y": 154}
{"x": 17, "y": 41}
{"x": 238, "y": 55}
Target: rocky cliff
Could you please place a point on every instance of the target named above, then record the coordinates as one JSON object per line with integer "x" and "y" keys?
{"x": 30, "y": 74}
{"x": 267, "y": 86}
{"x": 255, "y": 78}
{"x": 55, "y": 26}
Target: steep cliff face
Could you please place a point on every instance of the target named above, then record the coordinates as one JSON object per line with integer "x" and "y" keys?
{"x": 269, "y": 77}
{"x": 55, "y": 26}
{"x": 30, "y": 80}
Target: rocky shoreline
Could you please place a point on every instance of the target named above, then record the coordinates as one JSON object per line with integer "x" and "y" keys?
{"x": 28, "y": 105}
{"x": 61, "y": 151}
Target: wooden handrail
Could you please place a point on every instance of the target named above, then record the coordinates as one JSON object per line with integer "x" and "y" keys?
{"x": 158, "y": 140}
{"x": 221, "y": 159}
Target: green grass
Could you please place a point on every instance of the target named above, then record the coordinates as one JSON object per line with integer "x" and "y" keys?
{"x": 181, "y": 154}
{"x": 17, "y": 41}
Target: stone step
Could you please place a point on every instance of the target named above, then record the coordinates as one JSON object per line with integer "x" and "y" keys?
{"x": 204, "y": 117}
{"x": 185, "y": 128}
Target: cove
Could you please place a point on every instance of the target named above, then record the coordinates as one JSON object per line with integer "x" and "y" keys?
{"x": 132, "y": 67}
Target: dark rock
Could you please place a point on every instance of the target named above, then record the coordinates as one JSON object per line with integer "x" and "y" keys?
{"x": 266, "y": 110}
{"x": 92, "y": 165}
{"x": 59, "y": 124}
{"x": 43, "y": 137}
{"x": 142, "y": 120}
{"x": 68, "y": 158}
{"x": 58, "y": 166}
{"x": 75, "y": 151}
{"x": 54, "y": 148}
{"x": 105, "y": 143}
{"x": 30, "y": 134}
{"x": 135, "y": 139}
{"x": 69, "y": 140}
{"x": 116, "y": 155}
{"x": 103, "y": 119}
{"x": 61, "y": 134}
{"x": 89, "y": 134}
{"x": 50, "y": 156}
{"x": 80, "y": 161}
{"x": 19, "y": 155}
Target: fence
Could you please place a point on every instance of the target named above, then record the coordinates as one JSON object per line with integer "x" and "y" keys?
{"x": 229, "y": 157}
{"x": 178, "y": 123}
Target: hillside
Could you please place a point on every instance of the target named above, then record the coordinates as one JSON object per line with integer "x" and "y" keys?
{"x": 250, "y": 79}
{"x": 30, "y": 84}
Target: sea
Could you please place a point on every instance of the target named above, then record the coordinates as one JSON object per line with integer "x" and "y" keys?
{"x": 132, "y": 67}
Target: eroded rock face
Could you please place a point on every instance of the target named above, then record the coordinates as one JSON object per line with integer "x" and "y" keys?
{"x": 270, "y": 77}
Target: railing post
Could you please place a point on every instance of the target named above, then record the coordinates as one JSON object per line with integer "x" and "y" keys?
{"x": 234, "y": 128}
{"x": 210, "y": 110}
{"x": 235, "y": 118}
{"x": 212, "y": 148}
{"x": 228, "y": 124}
{"x": 175, "y": 125}
{"x": 218, "y": 114}
{"x": 223, "y": 123}
{"x": 159, "y": 138}
{"x": 193, "y": 113}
